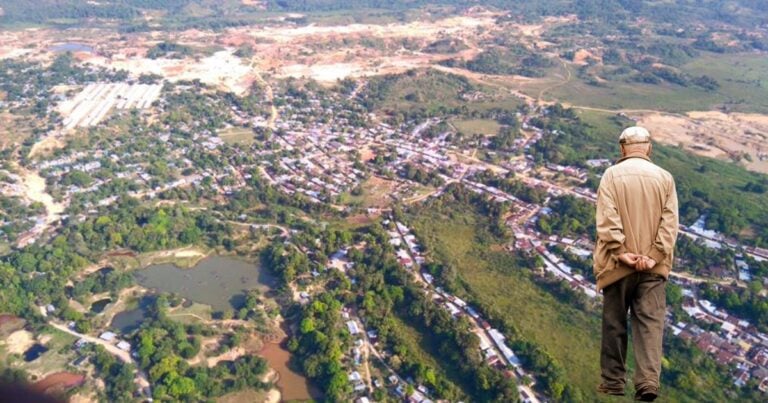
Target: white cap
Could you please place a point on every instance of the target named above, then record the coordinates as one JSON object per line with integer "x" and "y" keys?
{"x": 634, "y": 135}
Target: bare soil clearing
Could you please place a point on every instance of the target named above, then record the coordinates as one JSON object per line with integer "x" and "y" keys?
{"x": 59, "y": 381}
{"x": 714, "y": 134}
{"x": 19, "y": 341}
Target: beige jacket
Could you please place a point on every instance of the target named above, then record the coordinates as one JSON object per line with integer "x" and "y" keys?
{"x": 637, "y": 213}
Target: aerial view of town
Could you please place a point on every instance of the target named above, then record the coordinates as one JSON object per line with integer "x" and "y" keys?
{"x": 369, "y": 201}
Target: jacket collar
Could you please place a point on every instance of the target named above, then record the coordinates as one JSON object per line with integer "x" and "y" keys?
{"x": 633, "y": 155}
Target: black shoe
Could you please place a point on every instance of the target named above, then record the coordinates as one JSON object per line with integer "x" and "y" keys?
{"x": 610, "y": 391}
{"x": 647, "y": 394}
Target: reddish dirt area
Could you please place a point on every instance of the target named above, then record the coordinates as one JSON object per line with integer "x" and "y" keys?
{"x": 59, "y": 382}
{"x": 6, "y": 318}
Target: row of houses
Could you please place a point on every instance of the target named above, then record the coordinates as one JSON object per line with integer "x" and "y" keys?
{"x": 492, "y": 342}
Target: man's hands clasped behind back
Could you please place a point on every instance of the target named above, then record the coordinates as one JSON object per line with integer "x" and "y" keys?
{"x": 639, "y": 262}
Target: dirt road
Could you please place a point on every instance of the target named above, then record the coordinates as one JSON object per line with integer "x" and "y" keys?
{"x": 270, "y": 94}
{"x": 141, "y": 377}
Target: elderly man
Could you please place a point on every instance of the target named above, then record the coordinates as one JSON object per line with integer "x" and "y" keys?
{"x": 636, "y": 231}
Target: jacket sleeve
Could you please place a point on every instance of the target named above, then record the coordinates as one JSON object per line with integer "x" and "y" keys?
{"x": 664, "y": 243}
{"x": 610, "y": 230}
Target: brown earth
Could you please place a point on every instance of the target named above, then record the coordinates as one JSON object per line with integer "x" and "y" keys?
{"x": 714, "y": 134}
{"x": 59, "y": 381}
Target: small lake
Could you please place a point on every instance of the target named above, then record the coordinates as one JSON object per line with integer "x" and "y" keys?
{"x": 98, "y": 306}
{"x": 127, "y": 321}
{"x": 218, "y": 281}
{"x": 72, "y": 47}
{"x": 34, "y": 352}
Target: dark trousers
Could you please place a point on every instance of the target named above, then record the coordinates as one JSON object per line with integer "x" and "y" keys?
{"x": 643, "y": 295}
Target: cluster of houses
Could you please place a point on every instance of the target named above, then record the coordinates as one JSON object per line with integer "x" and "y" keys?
{"x": 736, "y": 342}
{"x": 107, "y": 336}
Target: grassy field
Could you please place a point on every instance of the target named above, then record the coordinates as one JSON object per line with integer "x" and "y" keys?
{"x": 418, "y": 342}
{"x": 191, "y": 314}
{"x": 423, "y": 89}
{"x": 742, "y": 79}
{"x": 565, "y": 332}
{"x": 237, "y": 135}
{"x": 468, "y": 127}
{"x": 376, "y": 193}
{"x": 571, "y": 336}
{"x": 52, "y": 360}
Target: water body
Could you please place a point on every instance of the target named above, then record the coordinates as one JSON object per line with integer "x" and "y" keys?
{"x": 98, "y": 306}
{"x": 71, "y": 47}
{"x": 127, "y": 321}
{"x": 104, "y": 271}
{"x": 218, "y": 281}
{"x": 292, "y": 384}
{"x": 34, "y": 352}
{"x": 222, "y": 283}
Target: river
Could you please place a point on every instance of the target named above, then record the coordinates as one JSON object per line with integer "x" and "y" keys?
{"x": 292, "y": 385}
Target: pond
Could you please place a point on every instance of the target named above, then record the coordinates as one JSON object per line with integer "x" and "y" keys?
{"x": 98, "y": 306}
{"x": 34, "y": 352}
{"x": 130, "y": 320}
{"x": 71, "y": 47}
{"x": 104, "y": 271}
{"x": 218, "y": 281}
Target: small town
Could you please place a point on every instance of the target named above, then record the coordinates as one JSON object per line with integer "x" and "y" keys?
{"x": 365, "y": 201}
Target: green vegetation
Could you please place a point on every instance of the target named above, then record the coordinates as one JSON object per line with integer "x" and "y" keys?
{"x": 176, "y": 14}
{"x": 319, "y": 346}
{"x": 506, "y": 61}
{"x": 589, "y": 135}
{"x": 501, "y": 286}
{"x": 238, "y": 135}
{"x": 416, "y": 92}
{"x": 169, "y": 50}
{"x": 163, "y": 345}
{"x": 469, "y": 127}
{"x": 549, "y": 333}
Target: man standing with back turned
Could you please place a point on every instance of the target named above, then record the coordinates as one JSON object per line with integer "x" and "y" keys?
{"x": 636, "y": 232}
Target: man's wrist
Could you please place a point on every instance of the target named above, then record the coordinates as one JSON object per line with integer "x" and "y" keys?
{"x": 656, "y": 255}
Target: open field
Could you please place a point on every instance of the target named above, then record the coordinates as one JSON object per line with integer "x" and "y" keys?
{"x": 419, "y": 343}
{"x": 12, "y": 130}
{"x": 714, "y": 134}
{"x": 194, "y": 313}
{"x": 183, "y": 257}
{"x": 490, "y": 276}
{"x": 469, "y": 127}
{"x": 743, "y": 87}
{"x": 237, "y": 135}
{"x": 50, "y": 361}
{"x": 563, "y": 331}
{"x": 376, "y": 193}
